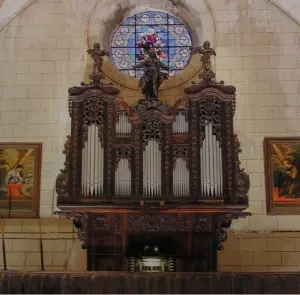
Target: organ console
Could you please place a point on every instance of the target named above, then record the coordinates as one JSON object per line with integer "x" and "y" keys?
{"x": 152, "y": 176}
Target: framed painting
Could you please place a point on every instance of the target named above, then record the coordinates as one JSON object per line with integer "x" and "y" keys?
{"x": 282, "y": 174}
{"x": 20, "y": 177}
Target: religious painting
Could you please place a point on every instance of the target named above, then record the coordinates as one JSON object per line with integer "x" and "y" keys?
{"x": 20, "y": 175}
{"x": 282, "y": 173}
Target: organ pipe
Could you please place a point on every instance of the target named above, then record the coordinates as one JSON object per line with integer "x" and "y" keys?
{"x": 180, "y": 179}
{"x": 211, "y": 164}
{"x": 152, "y": 169}
{"x": 92, "y": 164}
{"x": 180, "y": 125}
{"x": 123, "y": 179}
{"x": 123, "y": 126}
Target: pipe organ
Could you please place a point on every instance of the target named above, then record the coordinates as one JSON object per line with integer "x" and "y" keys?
{"x": 152, "y": 172}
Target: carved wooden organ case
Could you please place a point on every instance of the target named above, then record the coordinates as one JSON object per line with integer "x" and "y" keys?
{"x": 152, "y": 173}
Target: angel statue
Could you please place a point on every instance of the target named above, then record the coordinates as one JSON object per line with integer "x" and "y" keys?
{"x": 152, "y": 77}
{"x": 97, "y": 55}
{"x": 206, "y": 52}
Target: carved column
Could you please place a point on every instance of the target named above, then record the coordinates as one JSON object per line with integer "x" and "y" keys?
{"x": 194, "y": 175}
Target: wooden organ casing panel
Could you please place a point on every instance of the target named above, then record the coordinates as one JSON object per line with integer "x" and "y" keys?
{"x": 152, "y": 172}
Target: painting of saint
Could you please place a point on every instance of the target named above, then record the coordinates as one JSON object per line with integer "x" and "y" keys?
{"x": 282, "y": 165}
{"x": 20, "y": 179}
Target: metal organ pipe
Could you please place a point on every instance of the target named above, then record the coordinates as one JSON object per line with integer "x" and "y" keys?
{"x": 211, "y": 164}
{"x": 92, "y": 164}
{"x": 180, "y": 125}
{"x": 180, "y": 179}
{"x": 152, "y": 169}
{"x": 123, "y": 126}
{"x": 123, "y": 179}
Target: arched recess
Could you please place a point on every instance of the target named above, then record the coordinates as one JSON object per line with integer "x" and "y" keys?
{"x": 104, "y": 19}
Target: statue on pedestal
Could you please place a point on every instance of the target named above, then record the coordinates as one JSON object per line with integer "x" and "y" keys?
{"x": 152, "y": 78}
{"x": 206, "y": 52}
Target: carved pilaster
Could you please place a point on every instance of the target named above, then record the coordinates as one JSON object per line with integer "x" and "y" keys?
{"x": 194, "y": 156}
{"x": 75, "y": 151}
{"x": 109, "y": 168}
{"x": 167, "y": 159}
{"x": 80, "y": 221}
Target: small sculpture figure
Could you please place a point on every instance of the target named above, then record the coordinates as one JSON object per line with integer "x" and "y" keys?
{"x": 152, "y": 77}
{"x": 97, "y": 55}
{"x": 206, "y": 52}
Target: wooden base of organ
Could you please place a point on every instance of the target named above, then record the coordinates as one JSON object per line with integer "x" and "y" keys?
{"x": 152, "y": 175}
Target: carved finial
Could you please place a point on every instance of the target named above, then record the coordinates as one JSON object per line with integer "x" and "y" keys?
{"x": 97, "y": 55}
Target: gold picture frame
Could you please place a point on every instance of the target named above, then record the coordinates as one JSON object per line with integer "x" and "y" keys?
{"x": 282, "y": 175}
{"x": 20, "y": 178}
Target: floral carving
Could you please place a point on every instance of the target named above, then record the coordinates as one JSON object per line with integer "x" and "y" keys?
{"x": 181, "y": 152}
{"x": 152, "y": 129}
{"x": 123, "y": 152}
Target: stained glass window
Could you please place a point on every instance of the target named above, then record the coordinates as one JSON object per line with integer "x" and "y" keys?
{"x": 151, "y": 29}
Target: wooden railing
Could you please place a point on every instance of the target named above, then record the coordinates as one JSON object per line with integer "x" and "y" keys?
{"x": 134, "y": 283}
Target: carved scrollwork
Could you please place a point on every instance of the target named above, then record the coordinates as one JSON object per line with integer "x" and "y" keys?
{"x": 80, "y": 221}
{"x": 101, "y": 222}
{"x": 229, "y": 149}
{"x": 93, "y": 113}
{"x": 242, "y": 187}
{"x": 223, "y": 223}
{"x": 203, "y": 224}
{"x": 123, "y": 152}
{"x": 62, "y": 180}
{"x": 152, "y": 129}
{"x": 195, "y": 178}
{"x": 210, "y": 112}
{"x": 145, "y": 104}
{"x": 137, "y": 159}
{"x": 185, "y": 222}
{"x": 109, "y": 148}
{"x": 118, "y": 222}
{"x": 181, "y": 152}
{"x": 151, "y": 223}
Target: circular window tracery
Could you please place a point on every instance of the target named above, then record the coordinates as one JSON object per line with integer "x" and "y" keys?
{"x": 151, "y": 29}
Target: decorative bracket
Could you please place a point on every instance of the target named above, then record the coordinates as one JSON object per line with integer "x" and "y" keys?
{"x": 223, "y": 223}
{"x": 80, "y": 221}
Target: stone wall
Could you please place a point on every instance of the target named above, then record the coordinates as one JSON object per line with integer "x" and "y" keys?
{"x": 261, "y": 252}
{"x": 61, "y": 247}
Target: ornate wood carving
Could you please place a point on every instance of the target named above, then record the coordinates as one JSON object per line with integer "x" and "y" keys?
{"x": 181, "y": 152}
{"x": 62, "y": 180}
{"x": 80, "y": 221}
{"x": 193, "y": 217}
{"x": 152, "y": 129}
{"x": 151, "y": 223}
{"x": 223, "y": 223}
{"x": 93, "y": 113}
{"x": 194, "y": 148}
{"x": 185, "y": 222}
{"x": 123, "y": 152}
{"x": 137, "y": 160}
{"x": 118, "y": 222}
{"x": 101, "y": 222}
{"x": 109, "y": 147}
{"x": 203, "y": 223}
{"x": 210, "y": 112}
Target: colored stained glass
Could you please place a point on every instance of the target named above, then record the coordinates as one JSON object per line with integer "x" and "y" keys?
{"x": 132, "y": 39}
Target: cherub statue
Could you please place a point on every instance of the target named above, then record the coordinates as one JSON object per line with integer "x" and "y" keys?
{"x": 206, "y": 52}
{"x": 152, "y": 77}
{"x": 97, "y": 55}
